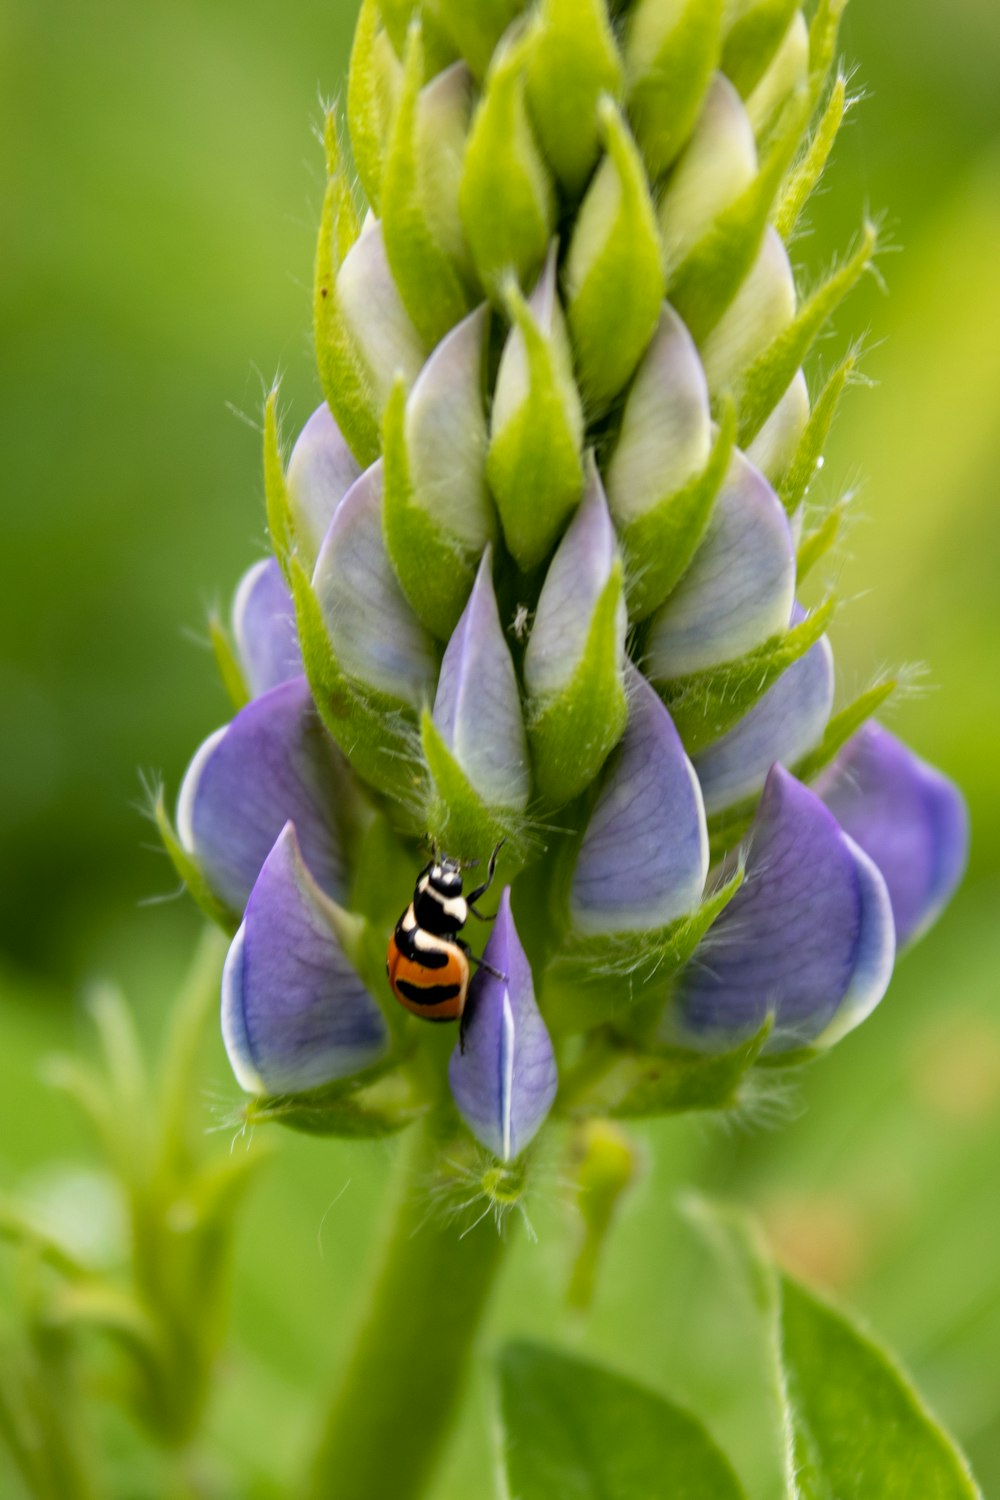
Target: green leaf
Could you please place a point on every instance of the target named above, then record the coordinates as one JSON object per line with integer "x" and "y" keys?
{"x": 459, "y": 819}
{"x": 572, "y": 734}
{"x": 376, "y": 733}
{"x": 702, "y": 286}
{"x": 815, "y": 544}
{"x": 577, "y": 1431}
{"x": 534, "y": 465}
{"x": 345, "y": 382}
{"x": 753, "y": 38}
{"x": 706, "y": 704}
{"x": 801, "y": 470}
{"x": 614, "y": 268}
{"x": 373, "y": 83}
{"x": 860, "y": 1428}
{"x": 803, "y": 179}
{"x": 506, "y": 198}
{"x": 669, "y": 59}
{"x": 187, "y": 868}
{"x": 659, "y": 545}
{"x": 572, "y": 61}
{"x": 420, "y": 219}
{"x": 227, "y": 662}
{"x": 359, "y": 1108}
{"x": 615, "y": 977}
{"x": 764, "y": 383}
{"x": 280, "y": 523}
{"x": 435, "y": 571}
{"x": 627, "y": 1082}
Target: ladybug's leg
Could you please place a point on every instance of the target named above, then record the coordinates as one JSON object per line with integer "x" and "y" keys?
{"x": 480, "y": 963}
{"x": 481, "y": 890}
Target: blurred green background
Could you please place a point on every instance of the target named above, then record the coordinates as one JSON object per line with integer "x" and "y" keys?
{"x": 161, "y": 188}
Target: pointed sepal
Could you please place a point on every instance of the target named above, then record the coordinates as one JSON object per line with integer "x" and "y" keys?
{"x": 573, "y": 60}
{"x": 670, "y": 52}
{"x": 374, "y": 81}
{"x": 574, "y": 662}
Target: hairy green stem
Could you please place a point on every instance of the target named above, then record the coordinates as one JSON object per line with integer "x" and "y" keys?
{"x": 399, "y": 1390}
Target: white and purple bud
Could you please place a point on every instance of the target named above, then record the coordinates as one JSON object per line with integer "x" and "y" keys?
{"x": 908, "y": 818}
{"x": 503, "y": 1078}
{"x": 763, "y": 308}
{"x": 807, "y": 942}
{"x": 738, "y": 591}
{"x": 477, "y": 710}
{"x": 644, "y": 857}
{"x": 321, "y": 470}
{"x": 272, "y": 763}
{"x": 783, "y": 725}
{"x": 263, "y": 623}
{"x": 295, "y": 1013}
{"x": 574, "y": 662}
{"x": 376, "y": 638}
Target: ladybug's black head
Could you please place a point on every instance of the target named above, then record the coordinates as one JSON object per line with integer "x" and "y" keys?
{"x": 445, "y": 877}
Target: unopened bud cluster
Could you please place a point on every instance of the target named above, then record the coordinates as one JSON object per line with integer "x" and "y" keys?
{"x": 536, "y": 580}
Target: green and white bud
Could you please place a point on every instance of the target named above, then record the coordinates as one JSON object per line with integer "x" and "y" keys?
{"x": 534, "y": 465}
{"x": 717, "y": 165}
{"x": 573, "y": 60}
{"x": 437, "y": 512}
{"x": 506, "y": 198}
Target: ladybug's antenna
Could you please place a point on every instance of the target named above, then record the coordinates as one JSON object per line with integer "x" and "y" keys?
{"x": 481, "y": 890}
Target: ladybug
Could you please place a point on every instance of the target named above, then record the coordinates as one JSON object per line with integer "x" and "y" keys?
{"x": 427, "y": 962}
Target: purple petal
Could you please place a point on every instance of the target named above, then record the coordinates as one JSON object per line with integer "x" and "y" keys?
{"x": 295, "y": 1014}
{"x": 274, "y": 762}
{"x": 782, "y": 725}
{"x": 264, "y": 628}
{"x": 478, "y": 705}
{"x": 907, "y": 817}
{"x": 376, "y": 637}
{"x": 505, "y": 1080}
{"x": 738, "y": 591}
{"x": 666, "y": 431}
{"x": 577, "y": 576}
{"x": 644, "y": 856}
{"x": 808, "y": 939}
{"x": 320, "y": 472}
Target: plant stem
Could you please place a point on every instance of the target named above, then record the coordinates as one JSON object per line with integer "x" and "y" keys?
{"x": 400, "y": 1387}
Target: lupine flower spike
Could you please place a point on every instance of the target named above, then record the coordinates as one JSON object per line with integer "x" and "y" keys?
{"x": 538, "y": 584}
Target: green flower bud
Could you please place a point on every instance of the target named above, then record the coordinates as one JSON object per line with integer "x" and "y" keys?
{"x": 534, "y": 465}
{"x": 424, "y": 240}
{"x": 506, "y": 198}
{"x": 614, "y": 268}
{"x": 437, "y": 511}
{"x": 573, "y": 60}
{"x": 671, "y": 49}
{"x": 717, "y": 165}
{"x": 374, "y": 83}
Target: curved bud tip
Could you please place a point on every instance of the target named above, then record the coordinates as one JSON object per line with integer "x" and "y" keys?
{"x": 320, "y": 472}
{"x": 275, "y": 761}
{"x": 644, "y": 857}
{"x": 908, "y": 818}
{"x": 295, "y": 1014}
{"x": 478, "y": 707}
{"x": 808, "y": 940}
{"x": 264, "y": 628}
{"x": 504, "y": 1081}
